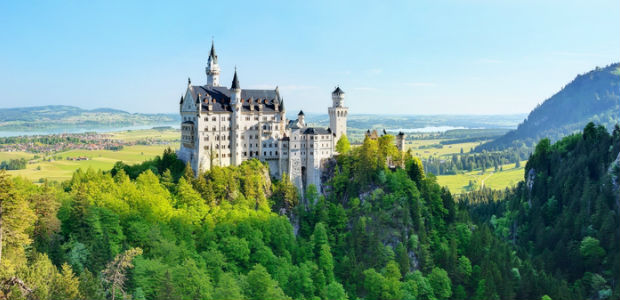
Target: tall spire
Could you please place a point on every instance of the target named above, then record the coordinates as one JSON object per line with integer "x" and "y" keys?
{"x": 212, "y": 55}
{"x": 212, "y": 69}
{"x": 235, "y": 83}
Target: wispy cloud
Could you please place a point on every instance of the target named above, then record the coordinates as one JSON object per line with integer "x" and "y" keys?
{"x": 298, "y": 87}
{"x": 282, "y": 87}
{"x": 365, "y": 89}
{"x": 261, "y": 87}
{"x": 374, "y": 71}
{"x": 421, "y": 84}
{"x": 576, "y": 54}
{"x": 489, "y": 61}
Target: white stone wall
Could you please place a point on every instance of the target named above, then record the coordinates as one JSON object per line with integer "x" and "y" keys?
{"x": 256, "y": 134}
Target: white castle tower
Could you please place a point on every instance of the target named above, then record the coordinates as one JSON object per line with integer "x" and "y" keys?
{"x": 338, "y": 115}
{"x": 213, "y": 69}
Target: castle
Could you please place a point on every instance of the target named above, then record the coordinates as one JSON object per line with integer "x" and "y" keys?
{"x": 225, "y": 126}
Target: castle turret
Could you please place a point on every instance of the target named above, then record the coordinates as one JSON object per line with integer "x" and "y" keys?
{"x": 235, "y": 96}
{"x": 400, "y": 141}
{"x": 213, "y": 69}
{"x": 301, "y": 119}
{"x": 338, "y": 115}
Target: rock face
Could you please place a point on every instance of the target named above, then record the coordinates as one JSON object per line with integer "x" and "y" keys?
{"x": 531, "y": 175}
{"x": 614, "y": 172}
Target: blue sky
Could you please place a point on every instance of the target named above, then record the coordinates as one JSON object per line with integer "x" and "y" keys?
{"x": 393, "y": 57}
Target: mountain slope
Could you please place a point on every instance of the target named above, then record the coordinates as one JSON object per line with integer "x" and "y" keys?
{"x": 565, "y": 215}
{"x": 590, "y": 97}
{"x": 60, "y": 116}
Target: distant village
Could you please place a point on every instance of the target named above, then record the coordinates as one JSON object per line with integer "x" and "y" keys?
{"x": 71, "y": 141}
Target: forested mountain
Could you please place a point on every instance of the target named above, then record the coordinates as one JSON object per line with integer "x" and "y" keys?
{"x": 590, "y": 97}
{"x": 565, "y": 215}
{"x": 59, "y": 116}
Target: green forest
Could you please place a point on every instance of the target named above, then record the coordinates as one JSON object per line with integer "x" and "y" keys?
{"x": 156, "y": 231}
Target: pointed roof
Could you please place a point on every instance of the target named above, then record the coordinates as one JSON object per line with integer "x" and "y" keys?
{"x": 212, "y": 54}
{"x": 338, "y": 91}
{"x": 301, "y": 113}
{"x": 235, "y": 83}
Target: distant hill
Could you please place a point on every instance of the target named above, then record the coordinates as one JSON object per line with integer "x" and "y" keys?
{"x": 51, "y": 117}
{"x": 590, "y": 97}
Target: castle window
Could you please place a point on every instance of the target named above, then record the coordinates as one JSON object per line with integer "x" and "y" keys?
{"x": 255, "y": 118}
{"x": 206, "y": 147}
{"x": 243, "y": 137}
{"x": 214, "y": 128}
{"x": 276, "y": 152}
{"x": 264, "y": 145}
{"x": 217, "y": 155}
{"x": 245, "y": 154}
{"x": 270, "y": 153}
{"x": 265, "y": 153}
{"x": 206, "y": 128}
{"x": 311, "y": 153}
{"x": 213, "y": 119}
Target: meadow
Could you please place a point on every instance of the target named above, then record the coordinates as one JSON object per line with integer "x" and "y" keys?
{"x": 60, "y": 166}
{"x": 464, "y": 182}
{"x": 62, "y": 169}
{"x": 508, "y": 176}
{"x": 431, "y": 147}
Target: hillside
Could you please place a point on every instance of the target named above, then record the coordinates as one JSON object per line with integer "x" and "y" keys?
{"x": 565, "y": 215}
{"x": 52, "y": 117}
{"x": 591, "y": 97}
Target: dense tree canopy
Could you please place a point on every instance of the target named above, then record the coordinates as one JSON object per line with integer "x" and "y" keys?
{"x": 382, "y": 229}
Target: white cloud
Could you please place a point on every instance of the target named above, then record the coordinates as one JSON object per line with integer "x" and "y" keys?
{"x": 421, "y": 84}
{"x": 489, "y": 61}
{"x": 282, "y": 87}
{"x": 365, "y": 89}
{"x": 298, "y": 87}
{"x": 576, "y": 54}
{"x": 374, "y": 71}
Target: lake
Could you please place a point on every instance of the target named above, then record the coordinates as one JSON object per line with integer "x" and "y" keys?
{"x": 427, "y": 129}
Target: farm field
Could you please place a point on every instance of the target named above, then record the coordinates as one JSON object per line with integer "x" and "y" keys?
{"x": 62, "y": 169}
{"x": 423, "y": 149}
{"x": 460, "y": 183}
{"x": 135, "y": 135}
